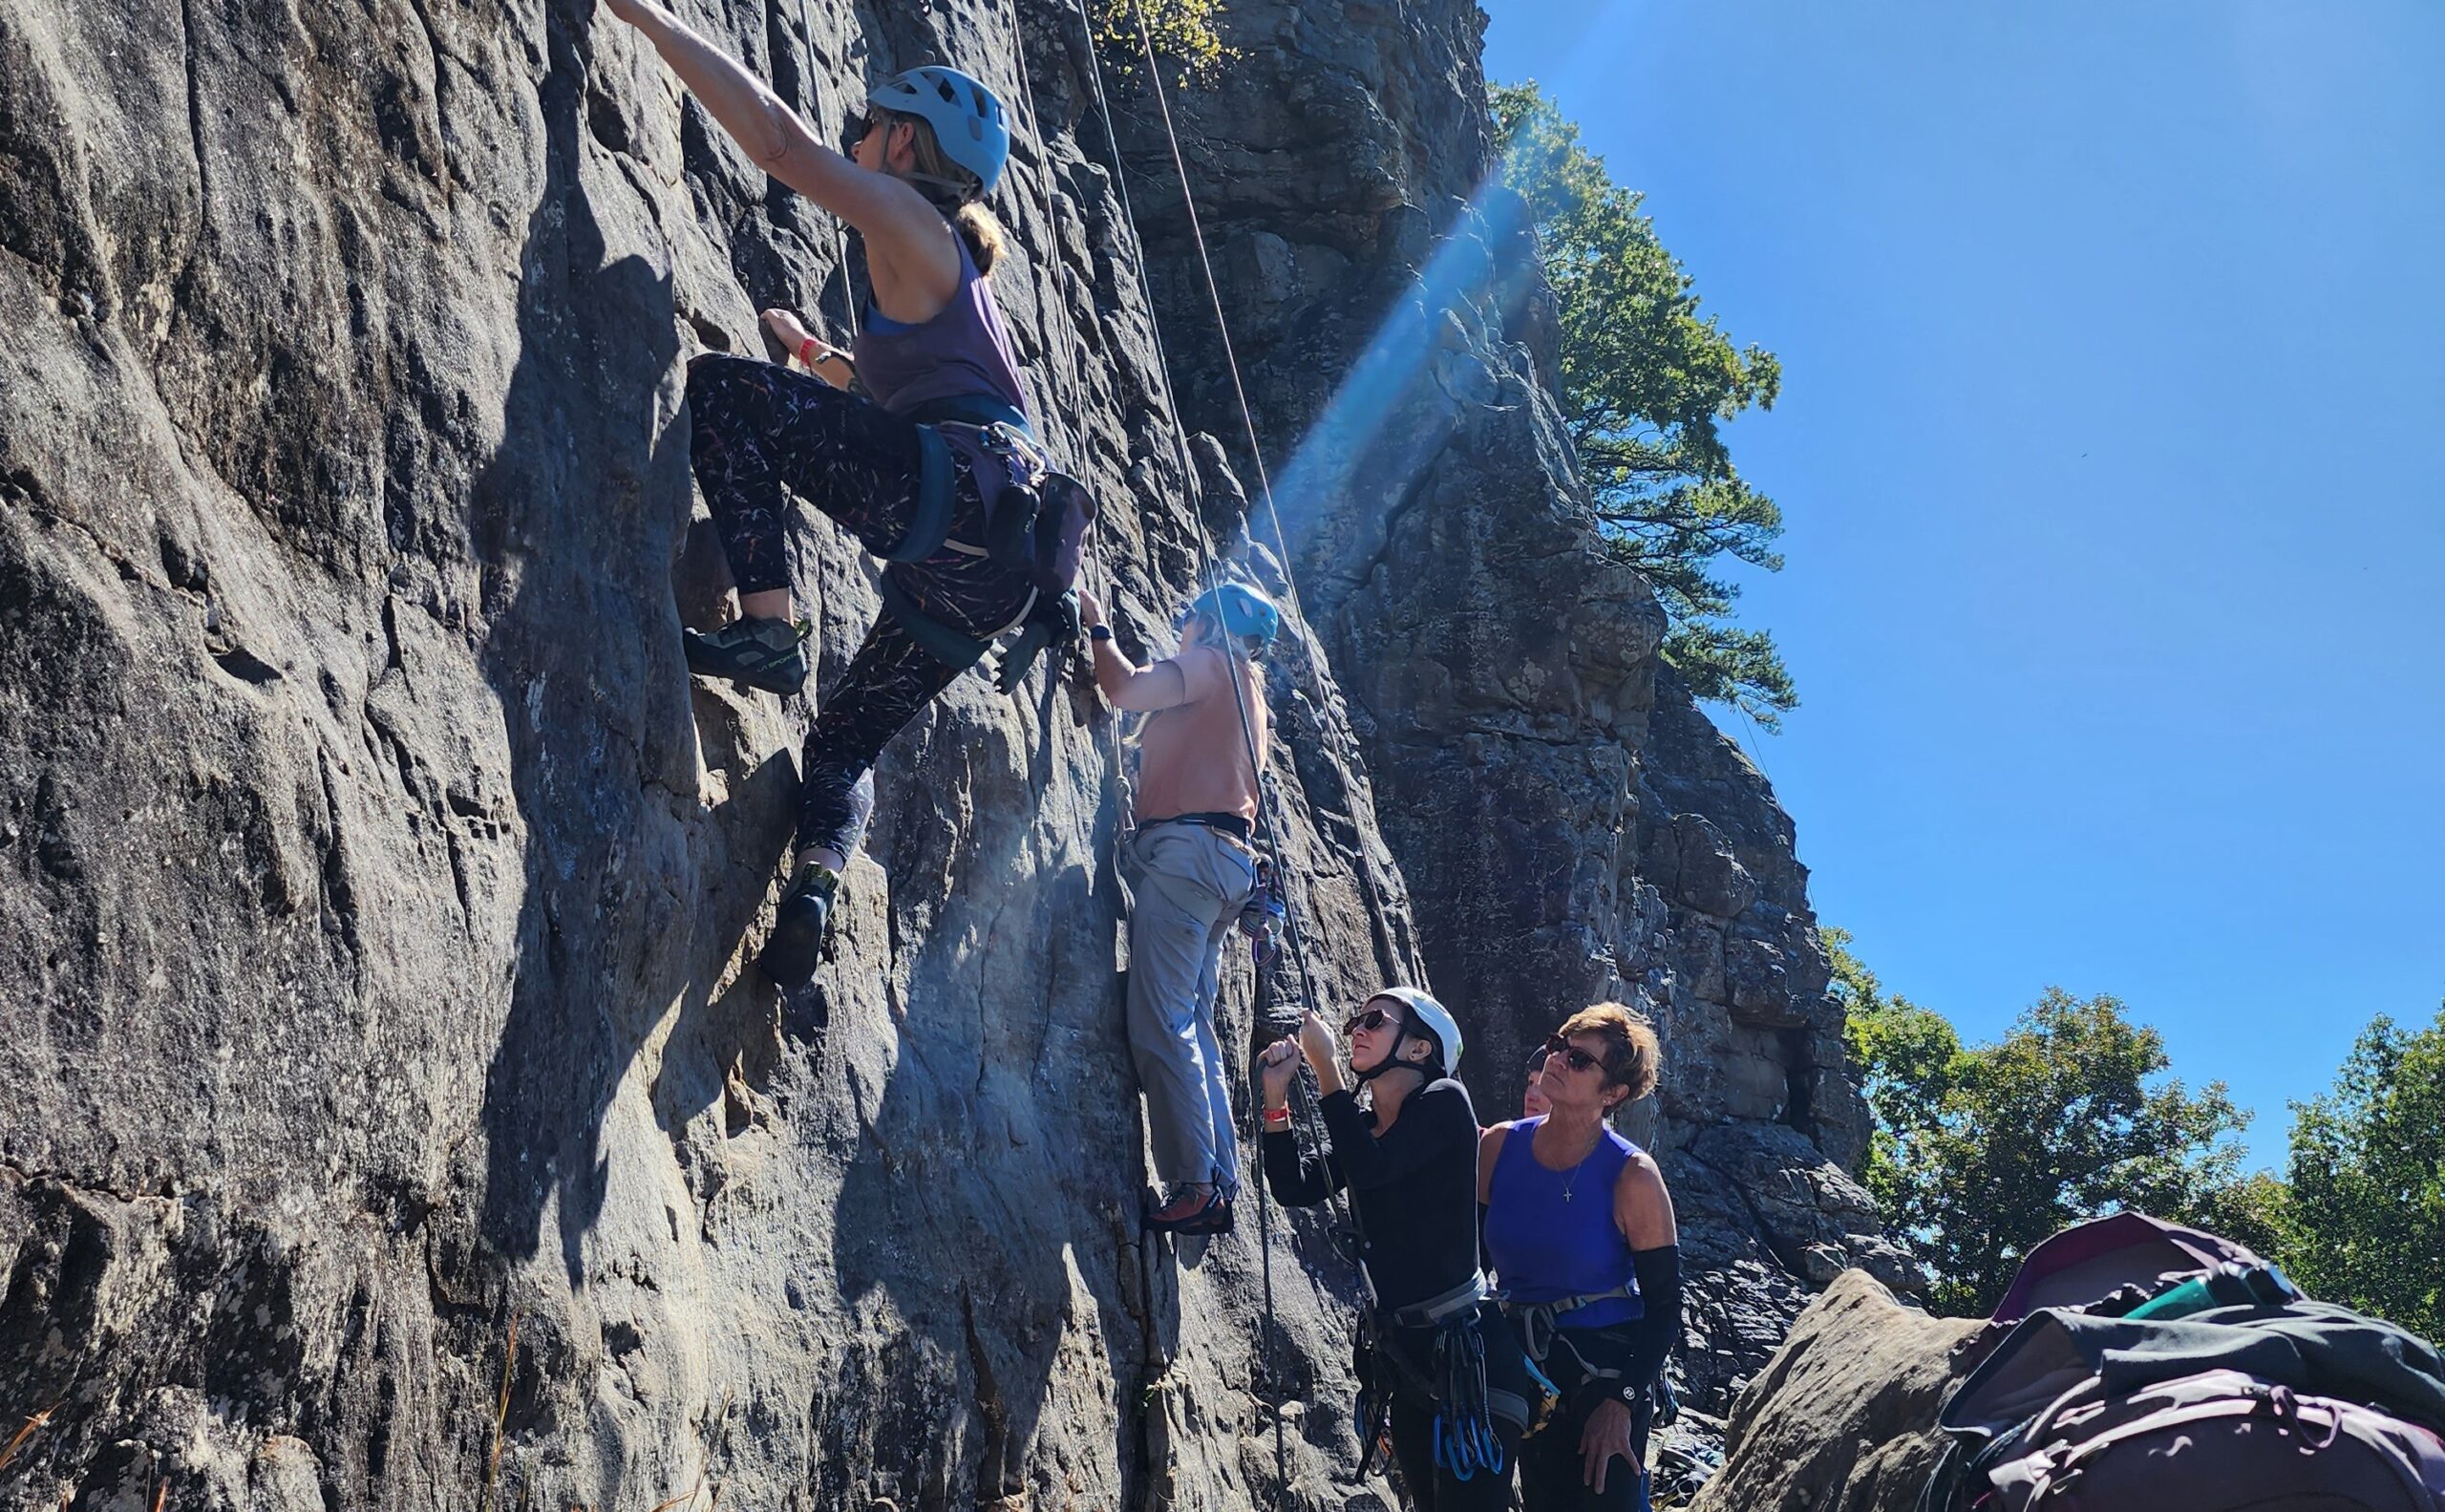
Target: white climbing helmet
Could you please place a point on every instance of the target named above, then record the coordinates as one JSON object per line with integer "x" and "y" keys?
{"x": 968, "y": 121}
{"x": 1425, "y": 1011}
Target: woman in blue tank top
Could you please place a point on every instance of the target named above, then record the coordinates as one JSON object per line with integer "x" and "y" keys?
{"x": 1579, "y": 1229}
{"x": 918, "y": 165}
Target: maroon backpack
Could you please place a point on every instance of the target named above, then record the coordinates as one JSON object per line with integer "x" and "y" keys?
{"x": 2237, "y": 1403}
{"x": 2217, "y": 1441}
{"x": 2088, "y": 1260}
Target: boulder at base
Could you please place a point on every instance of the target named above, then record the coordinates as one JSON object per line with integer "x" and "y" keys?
{"x": 1843, "y": 1418}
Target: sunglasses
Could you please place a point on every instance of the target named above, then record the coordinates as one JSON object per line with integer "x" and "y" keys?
{"x": 1373, "y": 1018}
{"x": 860, "y": 122}
{"x": 1576, "y": 1058}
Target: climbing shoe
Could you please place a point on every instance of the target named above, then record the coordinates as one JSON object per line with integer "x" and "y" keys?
{"x": 790, "y": 955}
{"x": 1191, "y": 1214}
{"x": 770, "y": 654}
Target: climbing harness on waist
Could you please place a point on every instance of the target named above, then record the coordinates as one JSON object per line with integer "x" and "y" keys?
{"x": 1231, "y": 825}
{"x": 1538, "y": 1328}
{"x": 1035, "y": 527}
{"x": 1451, "y": 1382}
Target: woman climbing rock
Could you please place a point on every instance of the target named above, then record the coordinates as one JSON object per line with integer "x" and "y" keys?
{"x": 1201, "y": 755}
{"x": 1580, "y": 1229}
{"x": 910, "y": 472}
{"x": 1436, "y": 1360}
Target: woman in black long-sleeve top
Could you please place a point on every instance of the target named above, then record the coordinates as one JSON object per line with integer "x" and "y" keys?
{"x": 1457, "y": 1385}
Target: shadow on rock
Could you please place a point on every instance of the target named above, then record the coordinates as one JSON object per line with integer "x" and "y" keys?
{"x": 628, "y": 905}
{"x": 975, "y": 1279}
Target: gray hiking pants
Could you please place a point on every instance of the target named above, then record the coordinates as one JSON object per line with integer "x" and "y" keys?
{"x": 1190, "y": 886}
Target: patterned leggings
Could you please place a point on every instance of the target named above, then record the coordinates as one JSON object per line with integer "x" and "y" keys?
{"x": 759, "y": 433}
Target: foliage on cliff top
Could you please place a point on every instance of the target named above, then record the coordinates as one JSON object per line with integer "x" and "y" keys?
{"x": 1647, "y": 385}
{"x": 1186, "y": 33}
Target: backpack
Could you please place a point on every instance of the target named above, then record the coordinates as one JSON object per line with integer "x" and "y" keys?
{"x": 2087, "y": 1261}
{"x": 2168, "y": 1369}
{"x": 2217, "y": 1441}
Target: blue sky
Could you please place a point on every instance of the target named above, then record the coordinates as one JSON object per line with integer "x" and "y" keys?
{"x": 2111, "y": 451}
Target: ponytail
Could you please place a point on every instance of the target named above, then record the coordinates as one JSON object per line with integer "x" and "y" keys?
{"x": 982, "y": 232}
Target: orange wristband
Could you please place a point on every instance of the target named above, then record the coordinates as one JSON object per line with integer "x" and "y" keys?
{"x": 806, "y": 351}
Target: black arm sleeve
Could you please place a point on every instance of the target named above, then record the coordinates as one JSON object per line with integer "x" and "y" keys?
{"x": 1658, "y": 1328}
{"x": 1434, "y": 1123}
{"x": 1296, "y": 1182}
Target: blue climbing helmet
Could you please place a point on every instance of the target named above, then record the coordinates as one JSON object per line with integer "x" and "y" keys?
{"x": 1239, "y": 609}
{"x": 969, "y": 121}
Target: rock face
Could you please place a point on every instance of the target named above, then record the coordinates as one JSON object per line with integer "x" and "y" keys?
{"x": 1572, "y": 828}
{"x": 392, "y": 1119}
{"x": 378, "y": 886}
{"x": 1843, "y": 1418}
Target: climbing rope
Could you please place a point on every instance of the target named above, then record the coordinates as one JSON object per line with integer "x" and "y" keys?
{"x": 1210, "y": 573}
{"x": 1269, "y": 796}
{"x": 1346, "y": 1214}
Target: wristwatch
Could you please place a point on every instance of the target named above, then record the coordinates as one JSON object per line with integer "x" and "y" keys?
{"x": 1099, "y": 633}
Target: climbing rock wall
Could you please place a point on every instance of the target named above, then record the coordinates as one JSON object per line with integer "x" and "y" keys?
{"x": 392, "y": 1121}
{"x": 1571, "y": 827}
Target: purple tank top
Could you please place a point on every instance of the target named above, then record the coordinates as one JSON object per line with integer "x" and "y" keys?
{"x": 964, "y": 350}
{"x": 1545, "y": 1247}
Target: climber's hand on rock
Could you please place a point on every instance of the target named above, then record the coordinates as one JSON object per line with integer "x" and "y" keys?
{"x": 1091, "y": 610}
{"x": 1316, "y": 1038}
{"x": 793, "y": 335}
{"x": 1280, "y": 1064}
{"x": 1607, "y": 1435}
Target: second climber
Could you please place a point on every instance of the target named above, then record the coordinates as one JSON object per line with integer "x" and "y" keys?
{"x": 1200, "y": 757}
{"x": 908, "y": 472}
{"x": 1438, "y": 1369}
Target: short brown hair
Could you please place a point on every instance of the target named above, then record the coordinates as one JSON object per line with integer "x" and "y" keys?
{"x": 1632, "y": 1054}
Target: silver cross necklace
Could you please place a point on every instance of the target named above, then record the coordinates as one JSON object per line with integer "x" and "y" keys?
{"x": 1572, "y": 1179}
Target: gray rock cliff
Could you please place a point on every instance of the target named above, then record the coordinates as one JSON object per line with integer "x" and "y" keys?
{"x": 378, "y": 886}
{"x": 375, "y": 888}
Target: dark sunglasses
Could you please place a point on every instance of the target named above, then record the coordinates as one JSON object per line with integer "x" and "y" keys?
{"x": 860, "y": 122}
{"x": 1576, "y": 1058}
{"x": 1373, "y": 1019}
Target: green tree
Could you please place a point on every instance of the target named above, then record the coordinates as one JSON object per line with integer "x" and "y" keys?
{"x": 1646, "y": 386}
{"x": 1185, "y": 34}
{"x": 2364, "y": 1217}
{"x": 2256, "y": 1210}
{"x": 1981, "y": 1151}
{"x": 1907, "y": 1059}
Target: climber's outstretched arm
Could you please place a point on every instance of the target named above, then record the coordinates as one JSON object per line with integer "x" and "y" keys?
{"x": 1126, "y": 685}
{"x": 882, "y": 208}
